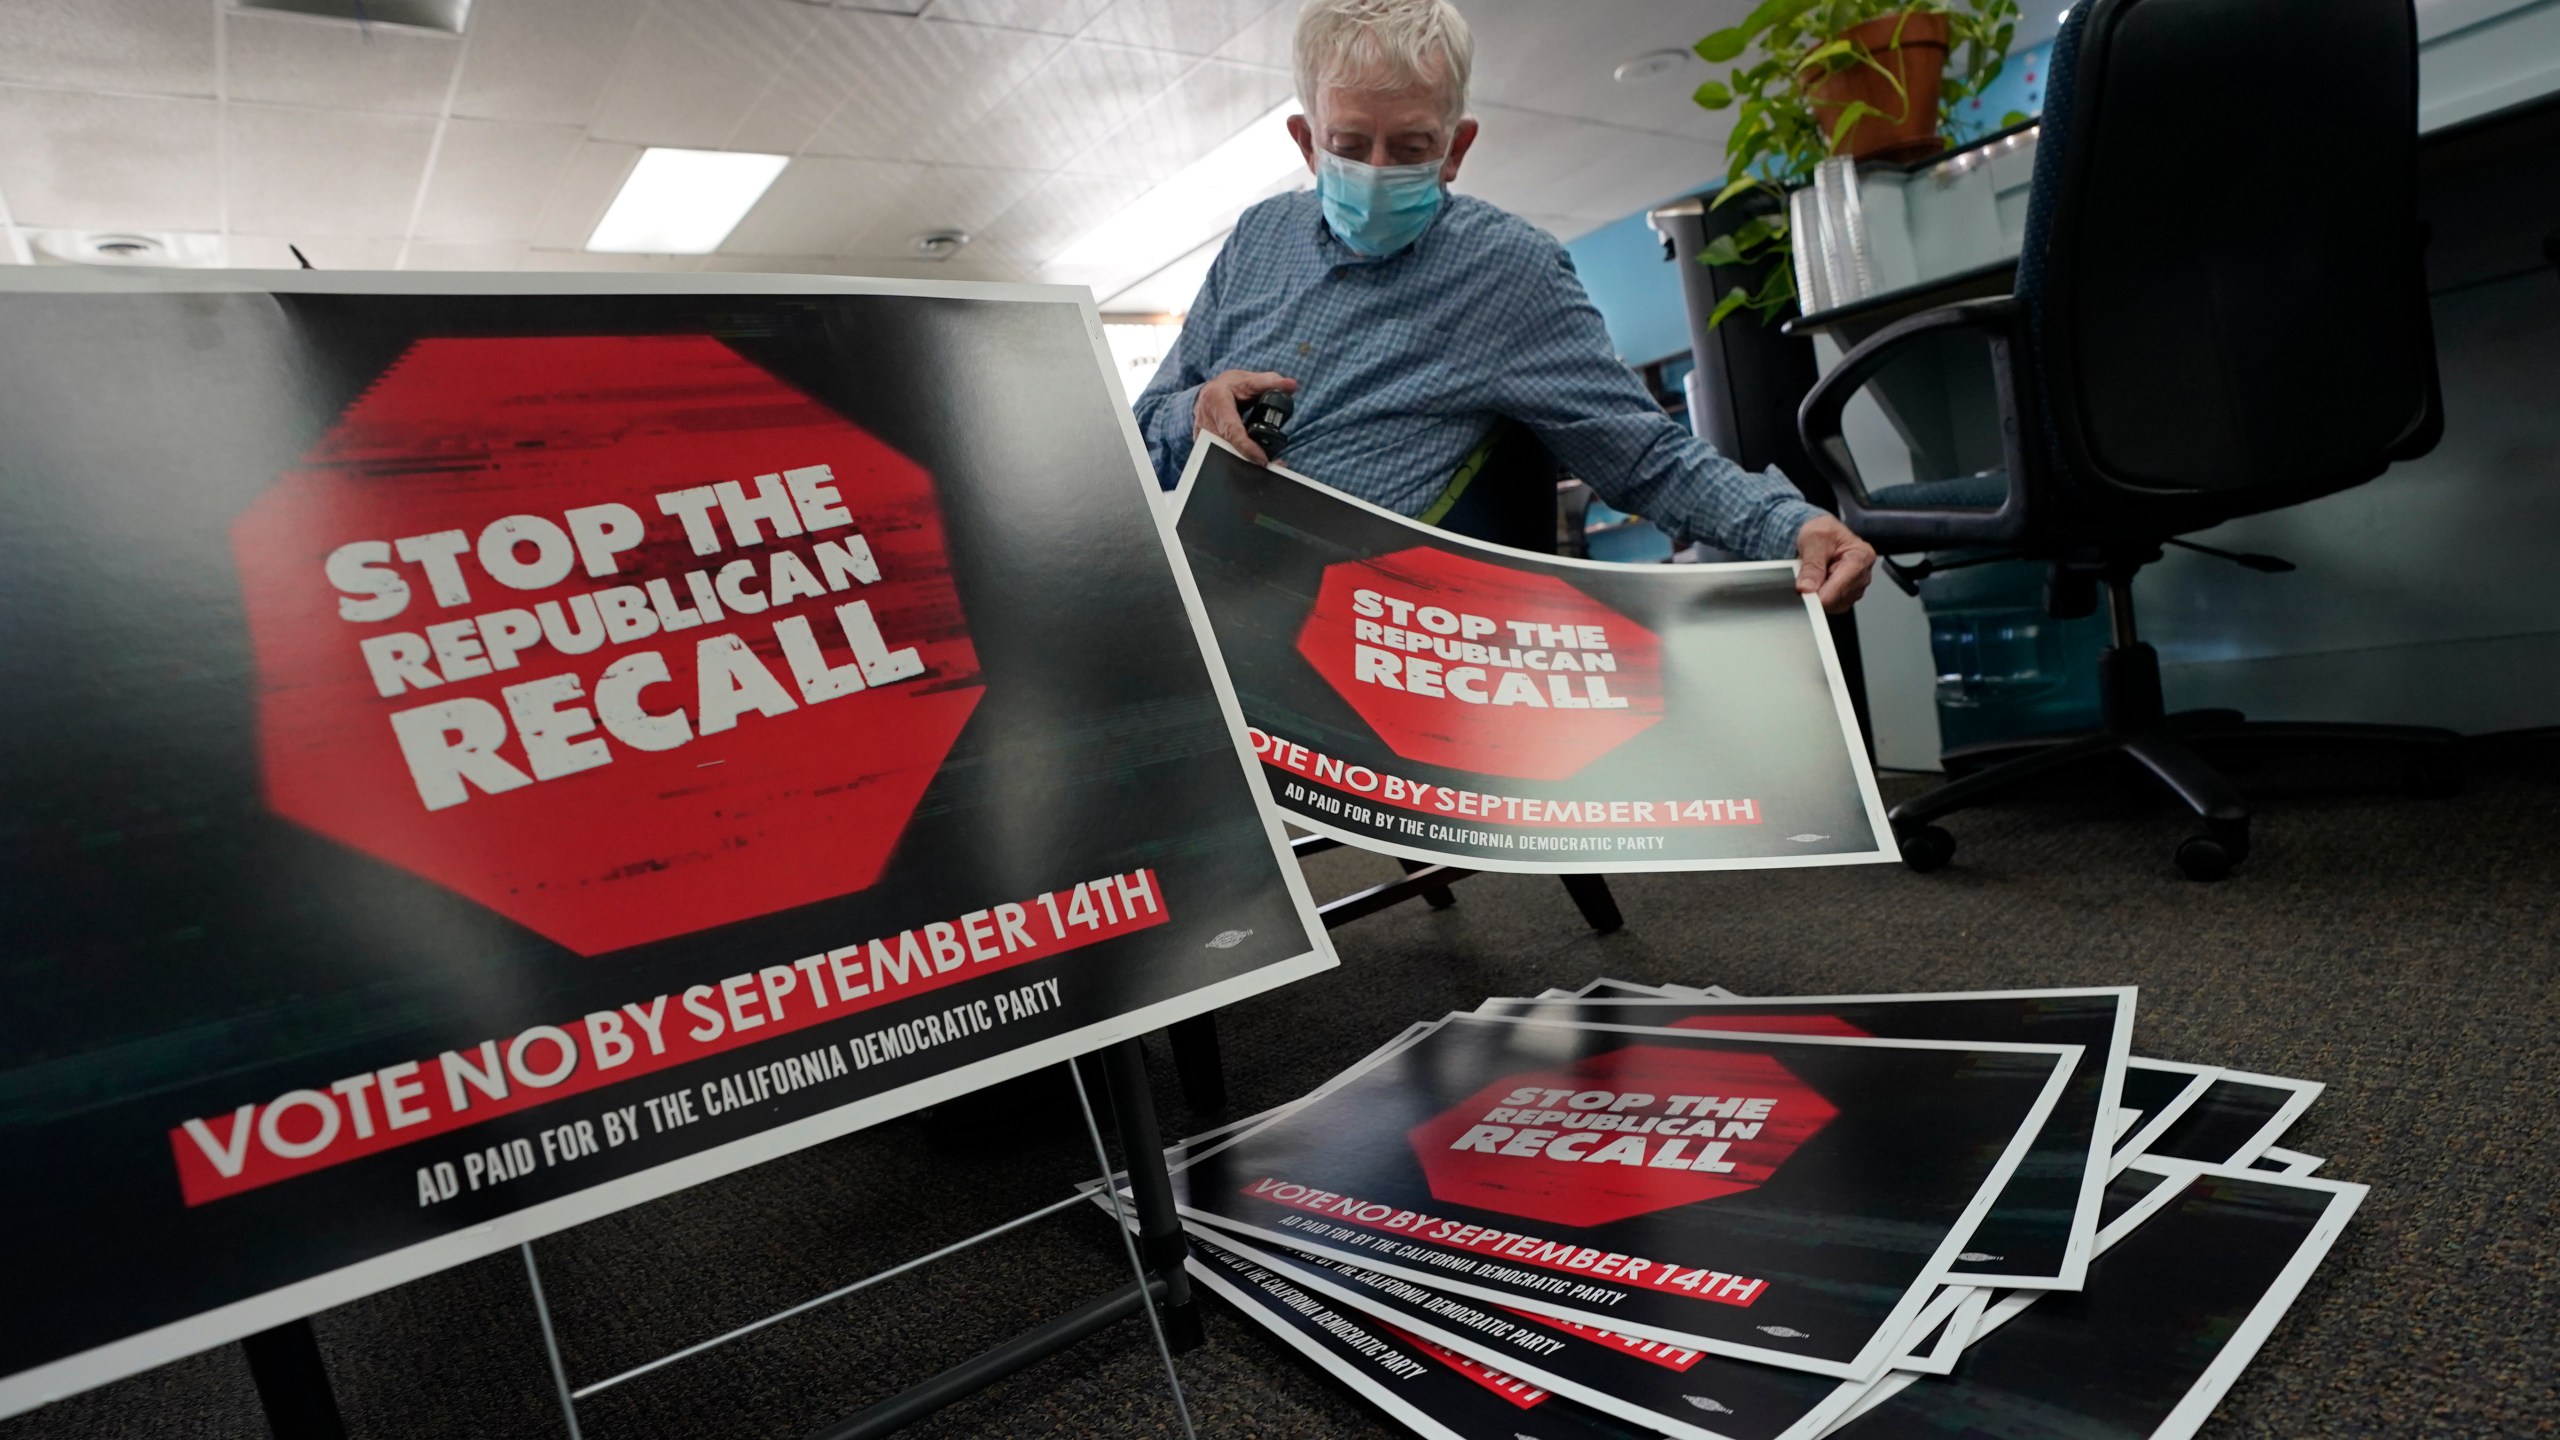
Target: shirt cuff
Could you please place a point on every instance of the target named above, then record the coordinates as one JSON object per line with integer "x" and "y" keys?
{"x": 1773, "y": 535}
{"x": 1166, "y": 424}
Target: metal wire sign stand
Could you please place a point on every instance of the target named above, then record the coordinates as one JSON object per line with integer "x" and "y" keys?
{"x": 294, "y": 1387}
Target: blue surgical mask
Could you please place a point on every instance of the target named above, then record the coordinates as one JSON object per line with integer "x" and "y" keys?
{"x": 1377, "y": 209}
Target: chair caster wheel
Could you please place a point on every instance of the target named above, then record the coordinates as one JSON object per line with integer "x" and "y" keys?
{"x": 1926, "y": 848}
{"x": 2434, "y": 777}
{"x": 2202, "y": 857}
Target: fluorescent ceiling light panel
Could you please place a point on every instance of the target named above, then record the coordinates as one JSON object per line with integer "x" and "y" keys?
{"x": 1202, "y": 200}
{"x": 683, "y": 202}
{"x": 1171, "y": 290}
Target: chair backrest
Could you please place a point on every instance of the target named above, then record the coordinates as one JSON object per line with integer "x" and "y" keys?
{"x": 1512, "y": 500}
{"x": 2221, "y": 273}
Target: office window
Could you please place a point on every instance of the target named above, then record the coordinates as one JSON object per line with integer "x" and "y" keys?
{"x": 1138, "y": 347}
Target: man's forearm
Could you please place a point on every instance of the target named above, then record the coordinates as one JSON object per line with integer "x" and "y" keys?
{"x": 1647, "y": 465}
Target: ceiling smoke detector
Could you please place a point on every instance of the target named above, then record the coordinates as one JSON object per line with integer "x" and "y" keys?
{"x": 1653, "y": 62}
{"x": 125, "y": 247}
{"x": 939, "y": 245}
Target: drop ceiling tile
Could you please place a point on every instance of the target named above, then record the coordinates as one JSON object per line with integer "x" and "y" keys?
{"x": 1564, "y": 228}
{"x": 1079, "y": 96}
{"x": 258, "y": 252}
{"x": 695, "y": 68}
{"x": 451, "y": 255}
{"x": 156, "y": 46}
{"x": 587, "y": 184}
{"x": 1171, "y": 289}
{"x": 1529, "y": 163}
{"x": 326, "y": 252}
{"x": 491, "y": 179}
{"x": 109, "y": 162}
{"x": 819, "y": 206}
{"x": 1099, "y": 281}
{"x": 1143, "y": 263}
{"x": 1194, "y": 27}
{"x": 300, "y": 60}
{"x": 1055, "y": 17}
{"x": 877, "y": 85}
{"x": 1203, "y": 110}
{"x": 1266, "y": 41}
{"x": 324, "y": 172}
{"x": 1055, "y": 213}
{"x": 543, "y": 61}
{"x": 967, "y": 198}
{"x": 1561, "y": 59}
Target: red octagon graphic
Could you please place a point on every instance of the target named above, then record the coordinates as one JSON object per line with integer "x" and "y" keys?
{"x": 1460, "y": 662}
{"x": 1607, "y": 1174}
{"x": 488, "y": 655}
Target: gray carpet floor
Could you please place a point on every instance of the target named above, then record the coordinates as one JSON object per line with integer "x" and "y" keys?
{"x": 2403, "y": 951}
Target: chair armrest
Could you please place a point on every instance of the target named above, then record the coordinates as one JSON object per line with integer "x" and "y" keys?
{"x": 1819, "y": 421}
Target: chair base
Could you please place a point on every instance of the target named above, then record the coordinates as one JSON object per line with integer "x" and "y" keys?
{"x": 2170, "y": 751}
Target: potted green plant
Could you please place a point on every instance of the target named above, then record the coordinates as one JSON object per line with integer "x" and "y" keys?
{"x": 1812, "y": 79}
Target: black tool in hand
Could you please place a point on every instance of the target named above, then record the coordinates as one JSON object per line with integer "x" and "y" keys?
{"x": 1264, "y": 416}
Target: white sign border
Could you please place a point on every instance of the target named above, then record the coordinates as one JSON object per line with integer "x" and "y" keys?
{"x": 1811, "y": 1424}
{"x": 1879, "y": 823}
{"x": 2192, "y": 1410}
{"x": 1873, "y": 1355}
{"x": 2099, "y": 1167}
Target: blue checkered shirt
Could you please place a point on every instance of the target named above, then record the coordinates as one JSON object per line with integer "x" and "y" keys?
{"x": 1406, "y": 363}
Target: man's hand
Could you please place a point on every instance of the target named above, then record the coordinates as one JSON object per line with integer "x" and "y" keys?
{"x": 1216, "y": 409}
{"x": 1832, "y": 562}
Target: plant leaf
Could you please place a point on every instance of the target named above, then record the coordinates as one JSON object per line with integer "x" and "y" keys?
{"x": 1890, "y": 78}
{"x": 1832, "y": 51}
{"x": 1760, "y": 228}
{"x": 1722, "y": 250}
{"x": 1740, "y": 185}
{"x": 1713, "y": 95}
{"x": 1734, "y": 299}
{"x": 1857, "y": 110}
{"x": 1722, "y": 46}
{"x": 1725, "y": 44}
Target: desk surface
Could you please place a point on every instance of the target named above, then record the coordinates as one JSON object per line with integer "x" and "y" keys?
{"x": 2477, "y": 59}
{"x": 1860, "y": 318}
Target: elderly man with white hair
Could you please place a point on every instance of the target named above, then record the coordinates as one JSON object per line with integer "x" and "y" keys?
{"x": 1411, "y": 322}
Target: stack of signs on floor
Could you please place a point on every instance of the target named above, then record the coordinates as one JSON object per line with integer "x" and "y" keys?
{"x": 1632, "y": 1211}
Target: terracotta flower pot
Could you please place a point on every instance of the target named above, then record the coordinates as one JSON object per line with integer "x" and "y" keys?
{"x": 1913, "y": 46}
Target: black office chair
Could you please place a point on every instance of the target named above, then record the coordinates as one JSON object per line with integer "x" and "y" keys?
{"x": 2219, "y": 311}
{"x": 1512, "y": 501}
